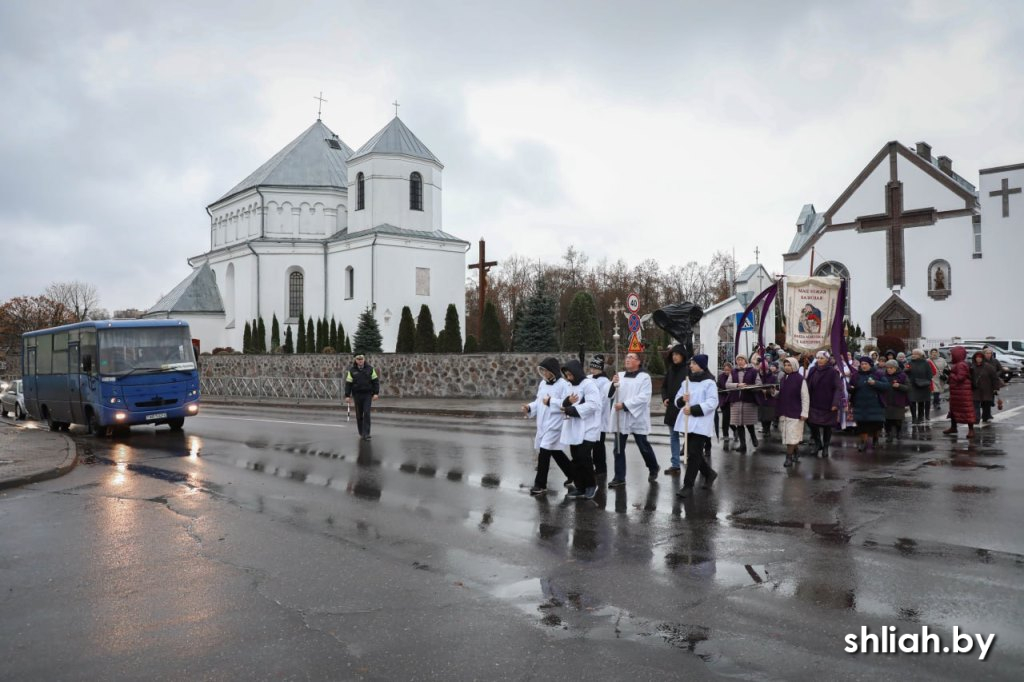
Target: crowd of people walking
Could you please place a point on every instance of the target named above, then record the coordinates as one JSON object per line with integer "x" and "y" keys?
{"x": 795, "y": 395}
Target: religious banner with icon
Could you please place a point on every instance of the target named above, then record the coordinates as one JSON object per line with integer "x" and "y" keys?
{"x": 811, "y": 304}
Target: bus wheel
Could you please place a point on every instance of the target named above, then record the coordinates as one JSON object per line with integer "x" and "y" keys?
{"x": 176, "y": 424}
{"x": 18, "y": 412}
{"x": 94, "y": 426}
{"x": 52, "y": 423}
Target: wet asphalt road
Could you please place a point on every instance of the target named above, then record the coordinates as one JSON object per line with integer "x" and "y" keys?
{"x": 272, "y": 544}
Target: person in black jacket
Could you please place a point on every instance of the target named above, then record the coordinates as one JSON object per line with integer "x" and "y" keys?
{"x": 362, "y": 387}
{"x": 678, "y": 369}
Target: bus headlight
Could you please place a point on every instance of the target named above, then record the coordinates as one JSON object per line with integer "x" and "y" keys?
{"x": 115, "y": 400}
{"x": 120, "y": 416}
{"x": 193, "y": 408}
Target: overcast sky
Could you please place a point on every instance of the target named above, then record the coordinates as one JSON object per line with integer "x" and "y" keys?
{"x": 641, "y": 129}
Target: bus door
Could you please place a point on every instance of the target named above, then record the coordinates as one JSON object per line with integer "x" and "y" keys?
{"x": 75, "y": 385}
{"x": 28, "y": 384}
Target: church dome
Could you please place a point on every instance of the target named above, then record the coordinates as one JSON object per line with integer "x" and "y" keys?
{"x": 395, "y": 138}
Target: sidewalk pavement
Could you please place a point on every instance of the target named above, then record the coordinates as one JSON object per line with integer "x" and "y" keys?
{"x": 453, "y": 407}
{"x": 31, "y": 453}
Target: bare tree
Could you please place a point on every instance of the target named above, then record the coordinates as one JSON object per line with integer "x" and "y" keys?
{"x": 79, "y": 298}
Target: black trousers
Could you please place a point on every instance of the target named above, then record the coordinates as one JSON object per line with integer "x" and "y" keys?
{"x": 544, "y": 458}
{"x": 725, "y": 410}
{"x": 362, "y": 402}
{"x": 696, "y": 459}
{"x": 583, "y": 465}
{"x": 600, "y": 455}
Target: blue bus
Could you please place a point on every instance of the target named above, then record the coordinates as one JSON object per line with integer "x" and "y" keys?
{"x": 110, "y": 374}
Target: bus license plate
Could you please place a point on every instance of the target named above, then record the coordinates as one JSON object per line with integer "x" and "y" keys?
{"x": 158, "y": 415}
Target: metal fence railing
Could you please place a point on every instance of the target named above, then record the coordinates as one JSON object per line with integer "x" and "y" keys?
{"x": 273, "y": 387}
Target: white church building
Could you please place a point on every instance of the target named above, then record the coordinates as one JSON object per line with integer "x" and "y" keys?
{"x": 927, "y": 255}
{"x": 322, "y": 231}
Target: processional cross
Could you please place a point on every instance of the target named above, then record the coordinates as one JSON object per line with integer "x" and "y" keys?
{"x": 484, "y": 266}
{"x": 894, "y": 221}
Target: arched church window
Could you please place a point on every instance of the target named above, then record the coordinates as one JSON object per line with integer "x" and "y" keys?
{"x": 229, "y": 296}
{"x": 940, "y": 276}
{"x": 416, "y": 192}
{"x": 360, "y": 192}
{"x": 350, "y": 282}
{"x": 296, "y": 292}
{"x": 836, "y": 269}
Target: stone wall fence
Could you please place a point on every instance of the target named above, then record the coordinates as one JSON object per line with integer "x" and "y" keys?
{"x": 503, "y": 376}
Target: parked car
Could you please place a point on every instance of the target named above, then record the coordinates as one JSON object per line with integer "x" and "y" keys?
{"x": 12, "y": 400}
{"x": 1012, "y": 365}
{"x": 1011, "y": 346}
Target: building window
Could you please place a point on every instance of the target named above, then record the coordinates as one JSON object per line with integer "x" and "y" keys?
{"x": 350, "y": 282}
{"x": 296, "y": 290}
{"x": 977, "y": 237}
{"x": 423, "y": 281}
{"x": 416, "y": 192}
{"x": 836, "y": 269}
{"x": 360, "y": 192}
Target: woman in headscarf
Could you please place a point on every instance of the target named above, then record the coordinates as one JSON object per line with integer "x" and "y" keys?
{"x": 961, "y": 393}
{"x": 895, "y": 400}
{"x": 766, "y": 398}
{"x": 825, "y": 386}
{"x": 919, "y": 376}
{"x": 986, "y": 385}
{"x": 866, "y": 388}
{"x": 792, "y": 404}
{"x": 744, "y": 410}
{"x": 725, "y": 399}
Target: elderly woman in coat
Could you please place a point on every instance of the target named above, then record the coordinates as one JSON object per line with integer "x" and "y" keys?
{"x": 986, "y": 383}
{"x": 866, "y": 389}
{"x": 961, "y": 394}
{"x": 896, "y": 400}
{"x": 919, "y": 377}
{"x": 825, "y": 385}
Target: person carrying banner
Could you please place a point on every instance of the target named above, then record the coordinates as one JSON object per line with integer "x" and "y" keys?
{"x": 697, "y": 400}
{"x": 825, "y": 386}
{"x": 743, "y": 413}
{"x": 675, "y": 374}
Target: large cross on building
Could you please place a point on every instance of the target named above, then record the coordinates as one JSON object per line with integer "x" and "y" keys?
{"x": 484, "y": 266}
{"x": 1005, "y": 191}
{"x": 894, "y": 221}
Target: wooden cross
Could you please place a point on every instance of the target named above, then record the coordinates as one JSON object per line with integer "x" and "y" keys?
{"x": 894, "y": 221}
{"x": 320, "y": 106}
{"x": 395, "y": 104}
{"x": 1005, "y": 192}
{"x": 484, "y": 266}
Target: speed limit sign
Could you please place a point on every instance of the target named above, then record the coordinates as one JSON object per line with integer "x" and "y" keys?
{"x": 632, "y": 303}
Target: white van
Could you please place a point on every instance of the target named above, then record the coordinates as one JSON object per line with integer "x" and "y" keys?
{"x": 1012, "y": 346}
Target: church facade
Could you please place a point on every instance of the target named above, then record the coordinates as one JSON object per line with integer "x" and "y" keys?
{"x": 323, "y": 231}
{"x": 926, "y": 254}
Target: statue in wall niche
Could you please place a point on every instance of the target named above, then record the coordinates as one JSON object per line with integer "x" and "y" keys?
{"x": 940, "y": 279}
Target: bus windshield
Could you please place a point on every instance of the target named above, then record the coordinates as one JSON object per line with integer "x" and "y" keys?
{"x": 128, "y": 350}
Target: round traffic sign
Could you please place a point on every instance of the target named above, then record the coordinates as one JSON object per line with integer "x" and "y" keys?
{"x": 634, "y": 323}
{"x": 633, "y": 303}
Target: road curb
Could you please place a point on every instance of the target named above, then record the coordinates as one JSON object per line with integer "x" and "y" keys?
{"x": 65, "y": 467}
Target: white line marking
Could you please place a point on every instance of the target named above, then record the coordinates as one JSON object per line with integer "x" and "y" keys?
{"x": 273, "y": 421}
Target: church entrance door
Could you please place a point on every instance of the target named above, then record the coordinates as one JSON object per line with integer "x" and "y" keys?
{"x": 896, "y": 318}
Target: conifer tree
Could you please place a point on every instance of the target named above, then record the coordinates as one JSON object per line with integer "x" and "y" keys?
{"x": 310, "y": 337}
{"x": 275, "y": 335}
{"x": 426, "y": 341}
{"x": 450, "y": 338}
{"x": 406, "y": 342}
{"x": 491, "y": 341}
{"x": 471, "y": 345}
{"x": 333, "y": 338}
{"x": 261, "y": 340}
{"x": 288, "y": 348}
{"x": 581, "y": 325}
{"x": 368, "y": 338}
{"x": 323, "y": 336}
{"x": 655, "y": 364}
{"x": 247, "y": 339}
{"x": 348, "y": 344}
{"x": 300, "y": 344}
{"x": 535, "y": 325}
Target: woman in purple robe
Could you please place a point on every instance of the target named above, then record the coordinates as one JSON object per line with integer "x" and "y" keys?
{"x": 825, "y": 385}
